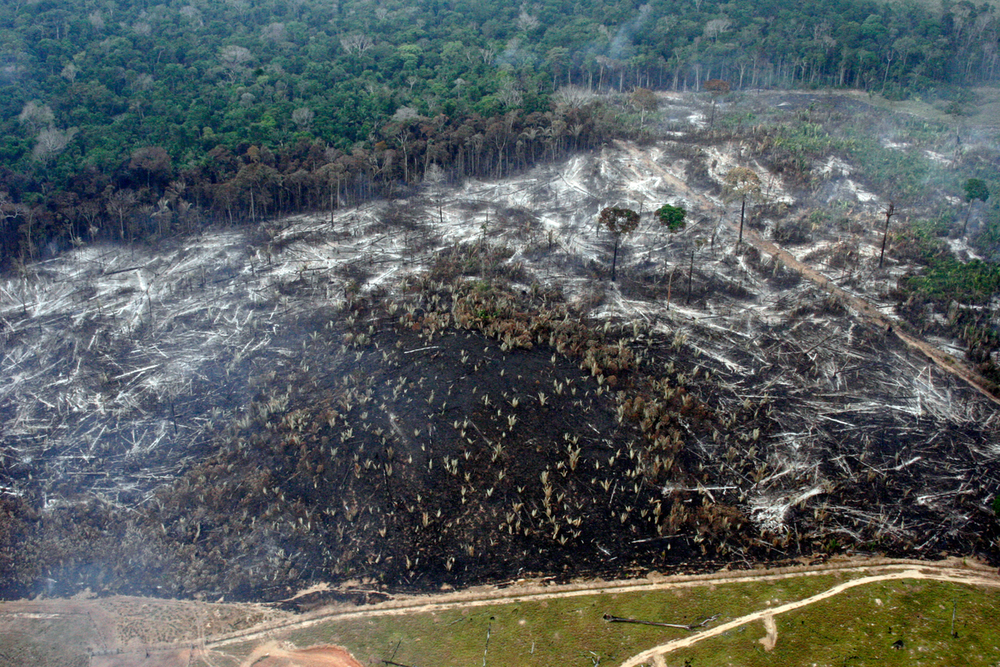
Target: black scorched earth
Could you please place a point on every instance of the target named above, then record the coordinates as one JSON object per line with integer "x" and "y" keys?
{"x": 446, "y": 389}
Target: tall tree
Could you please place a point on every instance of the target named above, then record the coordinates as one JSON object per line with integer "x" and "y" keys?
{"x": 620, "y": 221}
{"x": 718, "y": 88}
{"x": 974, "y": 189}
{"x": 741, "y": 183}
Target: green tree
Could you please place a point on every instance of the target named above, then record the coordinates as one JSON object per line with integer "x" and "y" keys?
{"x": 645, "y": 101}
{"x": 974, "y": 189}
{"x": 672, "y": 217}
{"x": 620, "y": 221}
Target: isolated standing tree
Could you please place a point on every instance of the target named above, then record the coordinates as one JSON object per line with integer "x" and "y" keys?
{"x": 672, "y": 217}
{"x": 717, "y": 87}
{"x": 645, "y": 101}
{"x": 974, "y": 189}
{"x": 741, "y": 183}
{"x": 619, "y": 221}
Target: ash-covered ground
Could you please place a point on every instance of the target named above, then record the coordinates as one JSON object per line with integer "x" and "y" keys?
{"x": 448, "y": 388}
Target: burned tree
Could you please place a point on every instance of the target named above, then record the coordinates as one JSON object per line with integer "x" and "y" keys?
{"x": 718, "y": 88}
{"x": 889, "y": 212}
{"x": 619, "y": 221}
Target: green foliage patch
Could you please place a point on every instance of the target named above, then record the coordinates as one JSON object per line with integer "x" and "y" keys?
{"x": 947, "y": 279}
{"x": 672, "y": 217}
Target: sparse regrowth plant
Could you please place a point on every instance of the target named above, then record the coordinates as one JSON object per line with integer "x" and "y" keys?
{"x": 672, "y": 217}
{"x": 741, "y": 183}
{"x": 620, "y": 221}
{"x": 975, "y": 188}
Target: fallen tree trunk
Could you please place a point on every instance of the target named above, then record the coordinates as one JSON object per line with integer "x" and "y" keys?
{"x": 617, "y": 619}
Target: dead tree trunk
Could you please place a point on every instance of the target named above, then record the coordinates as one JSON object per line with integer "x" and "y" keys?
{"x": 614, "y": 260}
{"x": 889, "y": 212}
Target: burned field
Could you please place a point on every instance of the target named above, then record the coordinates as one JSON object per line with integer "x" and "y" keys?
{"x": 447, "y": 390}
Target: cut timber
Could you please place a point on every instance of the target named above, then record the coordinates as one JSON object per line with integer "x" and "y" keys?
{"x": 617, "y": 619}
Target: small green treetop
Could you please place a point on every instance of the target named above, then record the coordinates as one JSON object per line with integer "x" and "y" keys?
{"x": 672, "y": 217}
{"x": 976, "y": 189}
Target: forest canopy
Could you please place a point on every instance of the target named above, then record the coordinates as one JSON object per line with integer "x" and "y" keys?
{"x": 129, "y": 120}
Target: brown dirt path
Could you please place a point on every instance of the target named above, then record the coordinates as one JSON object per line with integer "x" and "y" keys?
{"x": 953, "y": 576}
{"x": 861, "y": 306}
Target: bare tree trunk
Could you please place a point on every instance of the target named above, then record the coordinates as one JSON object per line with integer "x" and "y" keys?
{"x": 885, "y": 236}
{"x": 743, "y": 209}
{"x": 614, "y": 260}
{"x": 690, "y": 276}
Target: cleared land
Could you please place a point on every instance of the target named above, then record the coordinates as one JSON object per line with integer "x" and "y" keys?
{"x": 446, "y": 390}
{"x": 824, "y": 613}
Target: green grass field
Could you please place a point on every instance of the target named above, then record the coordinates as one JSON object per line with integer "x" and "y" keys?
{"x": 887, "y": 623}
{"x": 858, "y": 627}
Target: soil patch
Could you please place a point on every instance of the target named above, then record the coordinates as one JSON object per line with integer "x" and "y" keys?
{"x": 273, "y": 654}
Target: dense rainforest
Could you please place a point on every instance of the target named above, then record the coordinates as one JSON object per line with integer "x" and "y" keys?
{"x": 133, "y": 120}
